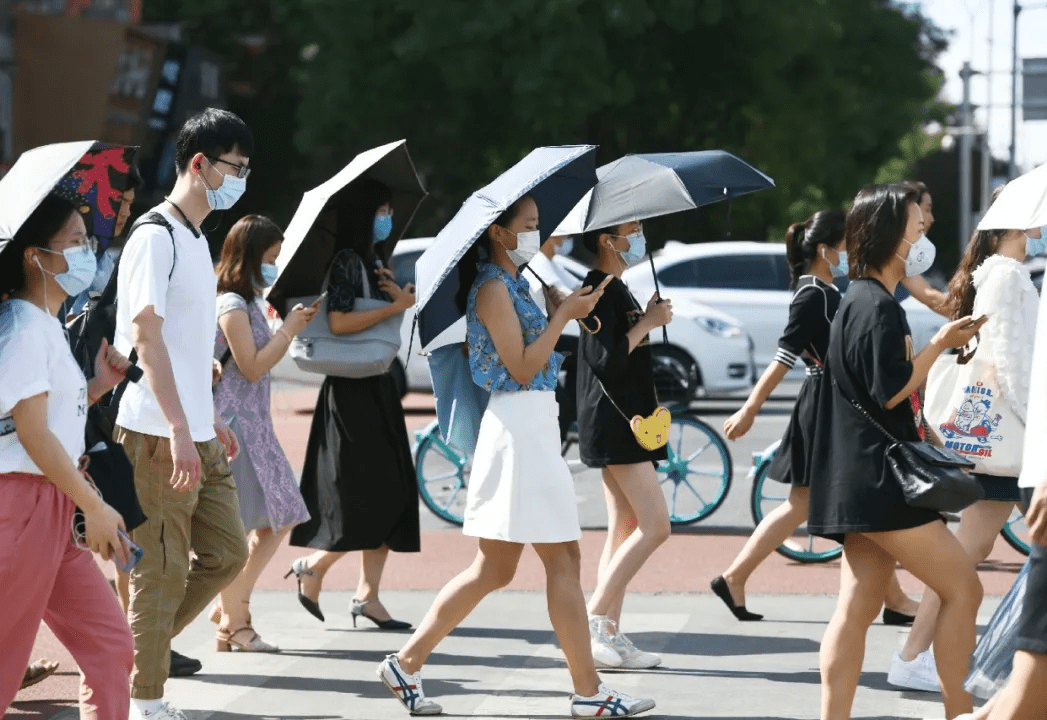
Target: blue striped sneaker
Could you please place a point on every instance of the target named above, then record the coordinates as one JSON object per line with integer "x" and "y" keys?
{"x": 407, "y": 688}
{"x": 609, "y": 703}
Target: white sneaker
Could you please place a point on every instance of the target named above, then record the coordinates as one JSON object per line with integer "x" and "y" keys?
{"x": 920, "y": 673}
{"x": 609, "y": 703}
{"x": 166, "y": 712}
{"x": 632, "y": 657}
{"x": 407, "y": 688}
{"x": 601, "y": 631}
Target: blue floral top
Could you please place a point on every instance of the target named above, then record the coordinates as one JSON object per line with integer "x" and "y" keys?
{"x": 486, "y": 367}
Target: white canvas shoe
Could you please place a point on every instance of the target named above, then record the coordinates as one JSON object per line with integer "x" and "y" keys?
{"x": 406, "y": 687}
{"x": 920, "y": 673}
{"x": 632, "y": 657}
{"x": 601, "y": 631}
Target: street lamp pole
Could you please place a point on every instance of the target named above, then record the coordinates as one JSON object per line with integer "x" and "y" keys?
{"x": 1012, "y": 166}
{"x": 966, "y": 138}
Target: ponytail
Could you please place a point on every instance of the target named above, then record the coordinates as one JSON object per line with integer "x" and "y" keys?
{"x": 794, "y": 251}
{"x": 825, "y": 227}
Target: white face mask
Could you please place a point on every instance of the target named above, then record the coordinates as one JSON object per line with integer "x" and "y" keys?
{"x": 920, "y": 257}
{"x": 527, "y": 246}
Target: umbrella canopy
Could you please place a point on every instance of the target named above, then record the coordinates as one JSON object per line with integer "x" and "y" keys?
{"x": 96, "y": 185}
{"x": 1022, "y": 204}
{"x": 309, "y": 246}
{"x": 31, "y": 178}
{"x": 556, "y": 177}
{"x": 637, "y": 187}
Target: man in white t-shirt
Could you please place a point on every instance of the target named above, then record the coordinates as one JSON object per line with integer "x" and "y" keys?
{"x": 1024, "y": 695}
{"x": 179, "y": 446}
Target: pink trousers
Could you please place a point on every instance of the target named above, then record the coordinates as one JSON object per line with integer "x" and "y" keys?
{"x": 44, "y": 576}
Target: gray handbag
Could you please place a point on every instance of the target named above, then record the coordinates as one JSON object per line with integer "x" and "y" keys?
{"x": 361, "y": 354}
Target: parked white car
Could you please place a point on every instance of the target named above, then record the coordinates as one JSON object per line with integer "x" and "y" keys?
{"x": 705, "y": 345}
{"x": 749, "y": 281}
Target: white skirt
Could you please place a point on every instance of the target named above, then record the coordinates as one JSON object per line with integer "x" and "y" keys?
{"x": 520, "y": 488}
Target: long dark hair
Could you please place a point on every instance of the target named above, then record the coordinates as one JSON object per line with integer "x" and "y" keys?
{"x": 467, "y": 270}
{"x": 875, "y": 225}
{"x": 240, "y": 265}
{"x": 40, "y": 227}
{"x": 356, "y": 208}
{"x": 983, "y": 244}
{"x": 825, "y": 227}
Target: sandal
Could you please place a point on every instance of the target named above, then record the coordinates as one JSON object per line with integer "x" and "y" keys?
{"x": 38, "y": 672}
{"x": 226, "y": 641}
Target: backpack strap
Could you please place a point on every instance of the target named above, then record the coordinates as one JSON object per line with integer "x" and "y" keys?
{"x": 150, "y": 218}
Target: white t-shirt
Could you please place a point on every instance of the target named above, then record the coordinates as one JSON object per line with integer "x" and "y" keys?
{"x": 35, "y": 358}
{"x": 547, "y": 270}
{"x": 1034, "y": 459}
{"x": 186, "y": 303}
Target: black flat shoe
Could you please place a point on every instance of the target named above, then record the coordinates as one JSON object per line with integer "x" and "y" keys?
{"x": 358, "y": 610}
{"x": 182, "y": 666}
{"x": 719, "y": 587}
{"x": 298, "y": 569}
{"x": 893, "y": 617}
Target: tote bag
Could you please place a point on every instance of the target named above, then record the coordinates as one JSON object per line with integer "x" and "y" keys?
{"x": 966, "y": 408}
{"x": 366, "y": 353}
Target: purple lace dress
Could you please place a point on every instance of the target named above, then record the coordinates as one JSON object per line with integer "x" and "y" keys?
{"x": 265, "y": 482}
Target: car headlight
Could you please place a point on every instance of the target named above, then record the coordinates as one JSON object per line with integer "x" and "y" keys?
{"x": 718, "y": 327}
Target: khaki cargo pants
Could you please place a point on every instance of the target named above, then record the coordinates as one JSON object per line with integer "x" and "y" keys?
{"x": 168, "y": 590}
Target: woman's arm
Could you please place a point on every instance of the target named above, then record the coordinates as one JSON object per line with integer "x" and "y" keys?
{"x": 45, "y": 450}
{"x": 343, "y": 323}
{"x": 951, "y": 335}
{"x": 495, "y": 309}
{"x": 738, "y": 424}
{"x": 254, "y": 362}
{"x": 920, "y": 289}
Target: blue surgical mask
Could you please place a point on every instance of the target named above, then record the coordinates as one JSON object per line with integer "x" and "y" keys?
{"x": 566, "y": 246}
{"x": 383, "y": 227}
{"x": 225, "y": 195}
{"x": 1036, "y": 246}
{"x": 637, "y": 248}
{"x": 840, "y": 268}
{"x": 269, "y": 274}
{"x": 82, "y": 267}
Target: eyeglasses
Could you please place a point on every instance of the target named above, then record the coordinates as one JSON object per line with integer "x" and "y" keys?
{"x": 242, "y": 171}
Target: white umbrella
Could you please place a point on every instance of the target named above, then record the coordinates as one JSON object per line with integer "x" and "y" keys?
{"x": 31, "y": 178}
{"x": 1021, "y": 205}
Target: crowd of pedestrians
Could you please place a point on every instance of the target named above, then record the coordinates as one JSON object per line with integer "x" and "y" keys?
{"x": 217, "y": 495}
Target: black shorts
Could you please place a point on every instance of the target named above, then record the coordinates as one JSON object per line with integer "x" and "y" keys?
{"x": 1032, "y": 629}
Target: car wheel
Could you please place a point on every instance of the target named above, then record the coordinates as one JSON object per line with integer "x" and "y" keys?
{"x": 399, "y": 377}
{"x": 676, "y": 375}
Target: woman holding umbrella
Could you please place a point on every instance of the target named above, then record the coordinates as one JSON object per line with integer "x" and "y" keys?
{"x": 520, "y": 490}
{"x": 358, "y": 481}
{"x": 43, "y": 408}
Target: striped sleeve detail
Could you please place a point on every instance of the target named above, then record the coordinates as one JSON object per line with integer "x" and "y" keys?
{"x": 786, "y": 358}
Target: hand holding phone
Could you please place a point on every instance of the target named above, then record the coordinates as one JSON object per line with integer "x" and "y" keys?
{"x": 976, "y": 322}
{"x": 134, "y": 554}
{"x": 319, "y": 301}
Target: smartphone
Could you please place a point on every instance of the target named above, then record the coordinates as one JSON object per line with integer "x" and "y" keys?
{"x": 976, "y": 321}
{"x": 319, "y": 301}
{"x": 606, "y": 281}
{"x": 134, "y": 557}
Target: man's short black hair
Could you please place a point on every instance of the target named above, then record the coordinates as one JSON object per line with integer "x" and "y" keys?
{"x": 213, "y": 133}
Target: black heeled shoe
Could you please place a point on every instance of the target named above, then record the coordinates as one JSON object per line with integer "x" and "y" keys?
{"x": 299, "y": 568}
{"x": 357, "y": 610}
{"x": 719, "y": 587}
{"x": 893, "y": 617}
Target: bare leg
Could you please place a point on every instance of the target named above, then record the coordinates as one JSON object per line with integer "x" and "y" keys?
{"x": 493, "y": 568}
{"x": 636, "y": 485}
{"x": 773, "y": 530}
{"x": 372, "y": 564}
{"x": 1023, "y": 698}
{"x": 319, "y": 562}
{"x": 262, "y": 544}
{"x": 567, "y": 612}
{"x": 980, "y": 525}
{"x": 936, "y": 558}
{"x": 123, "y": 589}
{"x": 897, "y": 599}
{"x": 621, "y": 522}
{"x": 864, "y": 573}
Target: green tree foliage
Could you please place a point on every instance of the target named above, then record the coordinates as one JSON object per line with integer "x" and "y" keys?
{"x": 817, "y": 93}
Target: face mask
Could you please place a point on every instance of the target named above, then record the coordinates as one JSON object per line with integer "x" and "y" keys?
{"x": 82, "y": 268}
{"x": 269, "y": 274}
{"x": 383, "y": 227}
{"x": 920, "y": 258}
{"x": 840, "y": 268}
{"x": 565, "y": 247}
{"x": 225, "y": 195}
{"x": 527, "y": 246}
{"x": 637, "y": 248}
{"x": 1036, "y": 246}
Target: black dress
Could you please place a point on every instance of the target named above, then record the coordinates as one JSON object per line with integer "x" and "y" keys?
{"x": 605, "y": 437}
{"x": 811, "y": 313}
{"x": 870, "y": 360}
{"x": 358, "y": 481}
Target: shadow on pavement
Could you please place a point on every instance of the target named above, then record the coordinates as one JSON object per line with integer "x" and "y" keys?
{"x": 715, "y": 645}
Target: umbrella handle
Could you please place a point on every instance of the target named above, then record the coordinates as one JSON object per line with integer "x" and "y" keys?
{"x": 658, "y": 291}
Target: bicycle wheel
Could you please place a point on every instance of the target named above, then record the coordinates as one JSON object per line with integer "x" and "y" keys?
{"x": 766, "y": 496}
{"x": 443, "y": 477}
{"x": 1016, "y": 533}
{"x": 697, "y": 475}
